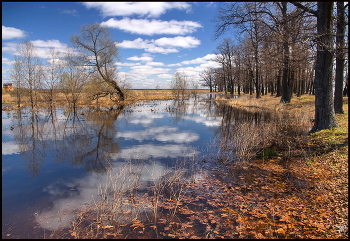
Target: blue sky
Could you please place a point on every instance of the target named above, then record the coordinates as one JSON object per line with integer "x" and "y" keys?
{"x": 154, "y": 39}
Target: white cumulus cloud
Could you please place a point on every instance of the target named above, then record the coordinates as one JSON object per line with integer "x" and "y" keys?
{"x": 165, "y": 76}
{"x": 147, "y": 9}
{"x": 7, "y": 61}
{"x": 151, "y": 27}
{"x": 202, "y": 60}
{"x": 138, "y": 43}
{"x": 53, "y": 43}
{"x": 162, "y": 45}
{"x": 42, "y": 47}
{"x": 10, "y": 33}
{"x": 155, "y": 63}
{"x": 126, "y": 64}
{"x": 143, "y": 58}
{"x": 179, "y": 41}
{"x": 148, "y": 70}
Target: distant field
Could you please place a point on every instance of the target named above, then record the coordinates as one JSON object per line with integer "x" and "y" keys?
{"x": 9, "y": 97}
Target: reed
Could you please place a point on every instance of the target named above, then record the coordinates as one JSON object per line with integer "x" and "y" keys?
{"x": 246, "y": 140}
{"x": 123, "y": 201}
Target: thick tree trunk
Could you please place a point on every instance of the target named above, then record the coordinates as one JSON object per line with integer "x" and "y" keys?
{"x": 111, "y": 82}
{"x": 340, "y": 59}
{"x": 346, "y": 91}
{"x": 118, "y": 89}
{"x": 324, "y": 106}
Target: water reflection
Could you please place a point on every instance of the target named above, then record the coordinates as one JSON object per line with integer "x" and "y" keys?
{"x": 197, "y": 110}
{"x": 99, "y": 142}
{"x": 232, "y": 116}
{"x": 29, "y": 137}
{"x": 66, "y": 138}
{"x": 82, "y": 190}
{"x": 68, "y": 153}
{"x": 178, "y": 108}
{"x": 162, "y": 133}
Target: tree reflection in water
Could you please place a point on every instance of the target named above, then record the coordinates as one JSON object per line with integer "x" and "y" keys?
{"x": 31, "y": 145}
{"x": 94, "y": 151}
{"x": 83, "y": 137}
{"x": 177, "y": 109}
{"x": 241, "y": 132}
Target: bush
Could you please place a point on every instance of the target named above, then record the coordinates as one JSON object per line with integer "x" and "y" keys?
{"x": 267, "y": 153}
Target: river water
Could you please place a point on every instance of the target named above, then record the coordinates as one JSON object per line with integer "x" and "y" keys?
{"x": 54, "y": 160}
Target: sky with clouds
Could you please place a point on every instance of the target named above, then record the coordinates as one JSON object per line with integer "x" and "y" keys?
{"x": 155, "y": 39}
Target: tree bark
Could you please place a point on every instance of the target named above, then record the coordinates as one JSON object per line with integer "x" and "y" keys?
{"x": 278, "y": 84}
{"x": 340, "y": 59}
{"x": 324, "y": 106}
{"x": 286, "y": 88}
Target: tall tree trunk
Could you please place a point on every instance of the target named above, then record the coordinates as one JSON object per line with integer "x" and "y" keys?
{"x": 324, "y": 106}
{"x": 346, "y": 91}
{"x": 257, "y": 80}
{"x": 286, "y": 88}
{"x": 340, "y": 59}
{"x": 278, "y": 84}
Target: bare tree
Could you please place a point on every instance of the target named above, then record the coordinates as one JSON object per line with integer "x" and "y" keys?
{"x": 324, "y": 103}
{"x": 220, "y": 80}
{"x": 247, "y": 68}
{"x": 94, "y": 87}
{"x": 225, "y": 58}
{"x": 99, "y": 52}
{"x": 17, "y": 76}
{"x": 194, "y": 88}
{"x": 238, "y": 66}
{"x": 31, "y": 70}
{"x": 247, "y": 17}
{"x": 125, "y": 82}
{"x": 208, "y": 76}
{"x": 179, "y": 84}
{"x": 261, "y": 20}
{"x": 54, "y": 70}
{"x": 73, "y": 79}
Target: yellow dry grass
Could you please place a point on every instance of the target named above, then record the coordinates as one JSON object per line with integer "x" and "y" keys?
{"x": 84, "y": 100}
{"x": 271, "y": 102}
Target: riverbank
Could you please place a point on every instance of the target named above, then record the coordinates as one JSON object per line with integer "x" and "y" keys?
{"x": 302, "y": 196}
{"x": 9, "y": 97}
{"x": 291, "y": 185}
{"x": 299, "y": 191}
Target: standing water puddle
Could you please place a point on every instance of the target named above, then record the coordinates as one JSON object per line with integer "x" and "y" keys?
{"x": 120, "y": 168}
{"x": 54, "y": 161}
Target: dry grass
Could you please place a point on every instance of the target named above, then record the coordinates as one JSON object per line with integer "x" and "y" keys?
{"x": 285, "y": 131}
{"x": 8, "y": 97}
{"x": 114, "y": 205}
{"x": 272, "y": 102}
{"x": 123, "y": 203}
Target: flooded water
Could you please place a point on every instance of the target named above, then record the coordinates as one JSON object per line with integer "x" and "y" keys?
{"x": 53, "y": 161}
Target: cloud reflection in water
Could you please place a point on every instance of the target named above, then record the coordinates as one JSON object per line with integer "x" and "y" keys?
{"x": 163, "y": 133}
{"x": 84, "y": 191}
